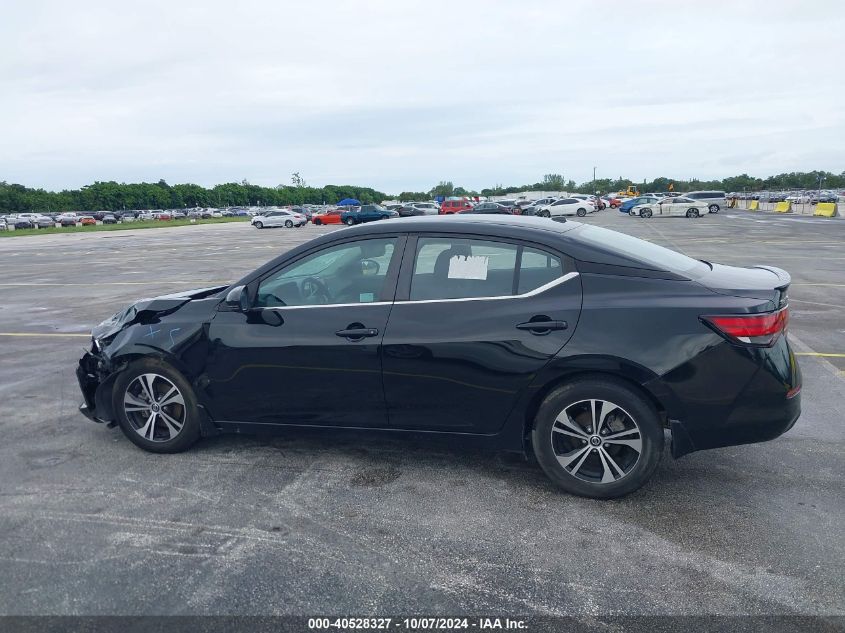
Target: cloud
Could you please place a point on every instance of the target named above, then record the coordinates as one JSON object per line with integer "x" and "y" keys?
{"x": 400, "y": 95}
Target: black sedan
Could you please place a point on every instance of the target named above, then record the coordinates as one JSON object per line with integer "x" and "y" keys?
{"x": 495, "y": 208}
{"x": 574, "y": 342}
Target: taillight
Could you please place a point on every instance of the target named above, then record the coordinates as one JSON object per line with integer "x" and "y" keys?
{"x": 751, "y": 329}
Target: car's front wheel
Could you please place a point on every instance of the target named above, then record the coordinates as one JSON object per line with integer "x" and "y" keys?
{"x": 581, "y": 213}
{"x": 544, "y": 213}
{"x": 692, "y": 213}
{"x": 258, "y": 225}
{"x": 597, "y": 437}
{"x": 645, "y": 213}
{"x": 156, "y": 407}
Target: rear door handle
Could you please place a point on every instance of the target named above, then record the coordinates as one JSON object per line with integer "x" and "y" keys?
{"x": 358, "y": 332}
{"x": 542, "y": 327}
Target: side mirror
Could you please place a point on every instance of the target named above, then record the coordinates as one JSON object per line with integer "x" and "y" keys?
{"x": 237, "y": 299}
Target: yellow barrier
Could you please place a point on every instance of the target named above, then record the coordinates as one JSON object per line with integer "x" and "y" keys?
{"x": 825, "y": 209}
{"x": 754, "y": 206}
{"x": 783, "y": 207}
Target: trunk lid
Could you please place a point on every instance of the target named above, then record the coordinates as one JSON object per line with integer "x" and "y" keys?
{"x": 766, "y": 283}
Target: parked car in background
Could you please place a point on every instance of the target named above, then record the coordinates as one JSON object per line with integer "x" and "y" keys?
{"x": 21, "y": 223}
{"x": 677, "y": 205}
{"x": 798, "y": 198}
{"x": 108, "y": 218}
{"x": 305, "y": 211}
{"x": 454, "y": 206}
{"x": 713, "y": 200}
{"x": 627, "y": 205}
{"x": 68, "y": 219}
{"x": 282, "y": 217}
{"x": 418, "y": 208}
{"x": 331, "y": 216}
{"x": 366, "y": 213}
{"x": 87, "y": 220}
{"x": 565, "y": 206}
{"x": 488, "y": 208}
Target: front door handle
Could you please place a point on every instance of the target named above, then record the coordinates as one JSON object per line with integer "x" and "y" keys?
{"x": 542, "y": 327}
{"x": 357, "y": 332}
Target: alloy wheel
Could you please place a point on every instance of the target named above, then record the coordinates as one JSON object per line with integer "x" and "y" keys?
{"x": 596, "y": 441}
{"x": 154, "y": 407}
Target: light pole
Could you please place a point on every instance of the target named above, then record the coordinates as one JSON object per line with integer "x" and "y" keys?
{"x": 594, "y": 179}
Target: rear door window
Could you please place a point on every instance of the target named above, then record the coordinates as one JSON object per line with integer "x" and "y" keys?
{"x": 459, "y": 268}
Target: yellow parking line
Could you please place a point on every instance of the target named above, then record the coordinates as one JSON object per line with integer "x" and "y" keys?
{"x": 822, "y": 354}
{"x": 40, "y": 334}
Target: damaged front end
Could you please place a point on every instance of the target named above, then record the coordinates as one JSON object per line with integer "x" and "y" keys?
{"x": 99, "y": 367}
{"x": 96, "y": 378}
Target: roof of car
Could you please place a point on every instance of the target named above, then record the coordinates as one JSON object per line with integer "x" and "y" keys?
{"x": 468, "y": 223}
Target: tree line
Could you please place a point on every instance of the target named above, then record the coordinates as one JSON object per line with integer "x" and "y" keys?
{"x": 113, "y": 196}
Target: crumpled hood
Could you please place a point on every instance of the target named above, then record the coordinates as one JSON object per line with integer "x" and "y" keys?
{"x": 145, "y": 309}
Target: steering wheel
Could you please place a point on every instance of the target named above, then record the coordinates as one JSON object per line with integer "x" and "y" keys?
{"x": 314, "y": 291}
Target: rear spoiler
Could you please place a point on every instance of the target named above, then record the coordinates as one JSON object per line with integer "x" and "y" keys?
{"x": 784, "y": 279}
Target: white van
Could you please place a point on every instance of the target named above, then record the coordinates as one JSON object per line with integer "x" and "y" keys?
{"x": 714, "y": 200}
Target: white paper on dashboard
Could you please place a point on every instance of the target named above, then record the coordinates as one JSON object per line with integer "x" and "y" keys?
{"x": 468, "y": 267}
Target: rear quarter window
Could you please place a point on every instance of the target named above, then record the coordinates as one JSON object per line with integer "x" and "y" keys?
{"x": 647, "y": 255}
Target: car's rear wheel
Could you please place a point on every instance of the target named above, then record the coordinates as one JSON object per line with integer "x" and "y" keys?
{"x": 713, "y": 208}
{"x": 288, "y": 224}
{"x": 259, "y": 225}
{"x": 646, "y": 213}
{"x": 692, "y": 213}
{"x": 544, "y": 213}
{"x": 581, "y": 213}
{"x": 317, "y": 222}
{"x": 597, "y": 437}
{"x": 350, "y": 221}
{"x": 156, "y": 407}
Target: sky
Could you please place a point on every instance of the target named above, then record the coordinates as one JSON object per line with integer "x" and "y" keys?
{"x": 401, "y": 94}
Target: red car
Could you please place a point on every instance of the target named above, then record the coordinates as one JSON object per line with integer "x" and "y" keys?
{"x": 87, "y": 221}
{"x": 455, "y": 206}
{"x": 329, "y": 217}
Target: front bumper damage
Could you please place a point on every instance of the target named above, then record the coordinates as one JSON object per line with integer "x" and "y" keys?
{"x": 95, "y": 380}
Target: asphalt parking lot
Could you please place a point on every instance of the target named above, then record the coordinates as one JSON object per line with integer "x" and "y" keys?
{"x": 319, "y": 523}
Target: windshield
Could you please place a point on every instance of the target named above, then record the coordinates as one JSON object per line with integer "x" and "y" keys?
{"x": 650, "y": 255}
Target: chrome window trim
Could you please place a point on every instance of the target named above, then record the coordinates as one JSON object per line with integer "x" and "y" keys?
{"x": 331, "y": 305}
{"x": 524, "y": 295}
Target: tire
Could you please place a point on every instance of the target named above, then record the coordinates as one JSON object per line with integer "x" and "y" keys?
{"x": 646, "y": 213}
{"x": 128, "y": 402}
{"x": 713, "y": 208}
{"x": 318, "y": 222}
{"x": 544, "y": 213}
{"x": 581, "y": 213}
{"x": 692, "y": 213}
{"x": 564, "y": 449}
{"x": 258, "y": 225}
{"x": 349, "y": 222}
{"x": 288, "y": 224}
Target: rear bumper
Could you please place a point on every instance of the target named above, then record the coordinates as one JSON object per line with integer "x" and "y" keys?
{"x": 761, "y": 405}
